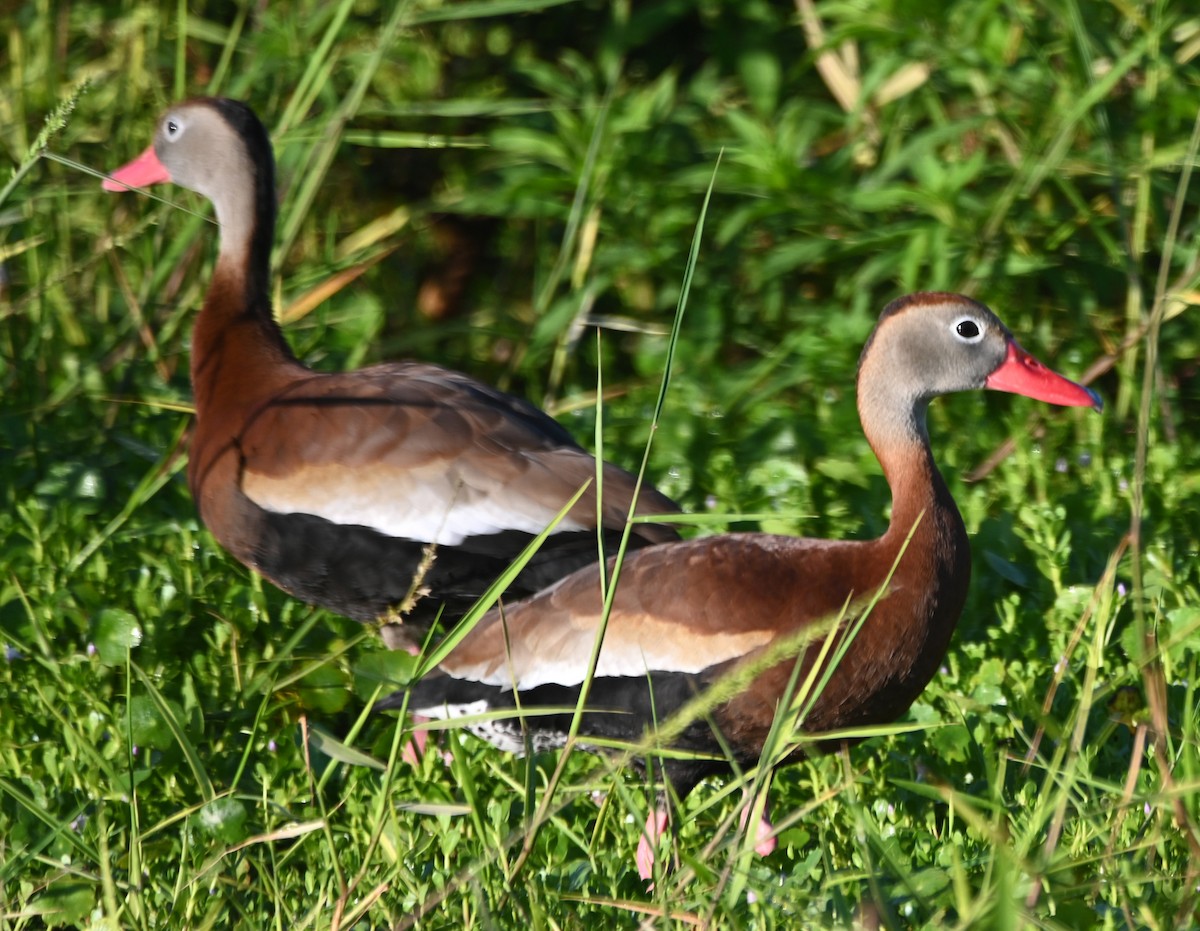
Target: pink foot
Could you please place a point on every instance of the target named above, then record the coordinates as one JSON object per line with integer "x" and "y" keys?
{"x": 765, "y": 838}
{"x": 764, "y": 833}
{"x": 395, "y": 636}
{"x": 656, "y": 825}
{"x": 414, "y": 748}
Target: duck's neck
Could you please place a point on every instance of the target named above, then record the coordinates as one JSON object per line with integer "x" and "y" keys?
{"x": 236, "y": 343}
{"x": 922, "y": 506}
{"x": 920, "y": 498}
{"x": 920, "y": 568}
{"x": 927, "y": 545}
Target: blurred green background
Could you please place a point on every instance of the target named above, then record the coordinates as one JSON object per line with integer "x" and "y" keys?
{"x": 488, "y": 185}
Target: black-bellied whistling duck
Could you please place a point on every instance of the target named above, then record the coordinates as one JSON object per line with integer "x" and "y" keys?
{"x": 687, "y": 613}
{"x": 334, "y": 485}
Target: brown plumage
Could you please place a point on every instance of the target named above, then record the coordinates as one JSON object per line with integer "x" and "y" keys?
{"x": 685, "y": 614}
{"x": 337, "y": 486}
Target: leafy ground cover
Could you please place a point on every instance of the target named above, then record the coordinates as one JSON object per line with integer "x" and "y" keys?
{"x": 486, "y": 185}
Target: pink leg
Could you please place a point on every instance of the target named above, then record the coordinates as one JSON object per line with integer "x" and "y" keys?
{"x": 764, "y": 833}
{"x": 414, "y": 747}
{"x": 656, "y": 826}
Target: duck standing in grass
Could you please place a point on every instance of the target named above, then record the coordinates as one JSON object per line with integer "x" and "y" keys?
{"x": 687, "y": 615}
{"x": 402, "y": 485}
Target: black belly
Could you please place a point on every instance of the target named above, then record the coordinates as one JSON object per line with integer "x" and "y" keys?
{"x": 364, "y": 574}
{"x": 622, "y": 708}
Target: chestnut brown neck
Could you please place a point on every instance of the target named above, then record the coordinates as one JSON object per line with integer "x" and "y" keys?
{"x": 240, "y": 358}
{"x": 927, "y": 537}
{"x": 892, "y": 407}
{"x": 238, "y": 349}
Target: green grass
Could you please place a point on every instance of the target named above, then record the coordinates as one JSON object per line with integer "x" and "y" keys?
{"x": 183, "y": 746}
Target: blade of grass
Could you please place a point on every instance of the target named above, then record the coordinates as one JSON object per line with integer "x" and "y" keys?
{"x": 452, "y": 639}
{"x": 1154, "y": 679}
{"x": 320, "y": 156}
{"x": 609, "y": 588}
{"x": 190, "y": 753}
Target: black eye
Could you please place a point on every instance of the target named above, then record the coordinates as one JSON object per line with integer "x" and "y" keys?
{"x": 968, "y": 330}
{"x": 172, "y": 127}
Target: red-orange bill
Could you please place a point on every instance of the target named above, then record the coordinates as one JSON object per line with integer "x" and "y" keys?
{"x": 143, "y": 171}
{"x": 1021, "y": 373}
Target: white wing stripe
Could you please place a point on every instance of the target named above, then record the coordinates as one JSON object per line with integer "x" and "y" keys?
{"x": 431, "y": 515}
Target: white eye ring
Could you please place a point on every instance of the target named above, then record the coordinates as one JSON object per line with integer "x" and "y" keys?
{"x": 173, "y": 126}
{"x": 967, "y": 329}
